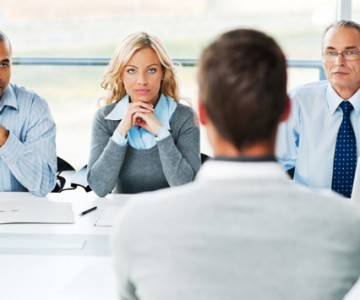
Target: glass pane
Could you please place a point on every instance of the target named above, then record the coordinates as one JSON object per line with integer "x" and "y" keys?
{"x": 79, "y": 28}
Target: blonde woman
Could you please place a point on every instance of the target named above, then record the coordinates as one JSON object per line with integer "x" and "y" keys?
{"x": 143, "y": 139}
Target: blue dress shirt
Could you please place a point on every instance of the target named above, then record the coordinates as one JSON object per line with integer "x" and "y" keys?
{"x": 138, "y": 137}
{"x": 28, "y": 158}
{"x": 307, "y": 140}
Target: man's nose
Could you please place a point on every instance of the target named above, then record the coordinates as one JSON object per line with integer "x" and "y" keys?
{"x": 340, "y": 60}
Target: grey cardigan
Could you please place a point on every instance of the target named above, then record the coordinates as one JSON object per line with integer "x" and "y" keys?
{"x": 173, "y": 161}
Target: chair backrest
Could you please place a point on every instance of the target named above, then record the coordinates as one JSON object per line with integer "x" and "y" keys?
{"x": 80, "y": 179}
{"x": 204, "y": 157}
{"x": 63, "y": 165}
{"x": 291, "y": 172}
{"x": 63, "y": 176}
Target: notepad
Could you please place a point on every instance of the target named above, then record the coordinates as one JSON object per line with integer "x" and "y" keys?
{"x": 35, "y": 211}
{"x": 108, "y": 216}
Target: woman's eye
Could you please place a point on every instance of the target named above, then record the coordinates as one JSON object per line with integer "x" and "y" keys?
{"x": 152, "y": 71}
{"x": 130, "y": 71}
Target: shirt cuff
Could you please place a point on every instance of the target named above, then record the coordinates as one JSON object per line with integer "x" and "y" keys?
{"x": 119, "y": 139}
{"x": 12, "y": 149}
{"x": 162, "y": 134}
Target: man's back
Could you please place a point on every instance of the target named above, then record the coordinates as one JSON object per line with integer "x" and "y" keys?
{"x": 251, "y": 234}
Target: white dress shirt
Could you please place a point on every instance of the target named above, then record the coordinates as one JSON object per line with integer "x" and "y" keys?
{"x": 307, "y": 140}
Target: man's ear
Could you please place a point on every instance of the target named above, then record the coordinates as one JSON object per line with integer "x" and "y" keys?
{"x": 203, "y": 116}
{"x": 287, "y": 110}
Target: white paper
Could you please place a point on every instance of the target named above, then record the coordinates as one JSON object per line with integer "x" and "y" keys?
{"x": 108, "y": 216}
{"x": 35, "y": 211}
{"x": 41, "y": 243}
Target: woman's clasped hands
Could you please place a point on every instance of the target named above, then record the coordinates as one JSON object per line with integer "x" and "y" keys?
{"x": 139, "y": 114}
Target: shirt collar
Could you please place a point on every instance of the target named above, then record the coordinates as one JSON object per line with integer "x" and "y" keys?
{"x": 163, "y": 110}
{"x": 334, "y": 100}
{"x": 246, "y": 158}
{"x": 8, "y": 98}
{"x": 227, "y": 170}
{"x": 119, "y": 110}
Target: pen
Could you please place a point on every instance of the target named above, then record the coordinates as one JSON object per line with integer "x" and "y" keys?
{"x": 87, "y": 211}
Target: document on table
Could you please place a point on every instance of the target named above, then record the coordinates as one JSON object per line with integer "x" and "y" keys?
{"x": 108, "y": 216}
{"x": 27, "y": 242}
{"x": 35, "y": 211}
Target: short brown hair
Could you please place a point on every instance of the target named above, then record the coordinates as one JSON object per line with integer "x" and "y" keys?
{"x": 242, "y": 81}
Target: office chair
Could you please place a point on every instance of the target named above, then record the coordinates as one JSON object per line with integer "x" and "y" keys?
{"x": 64, "y": 173}
{"x": 204, "y": 157}
{"x": 80, "y": 179}
{"x": 291, "y": 172}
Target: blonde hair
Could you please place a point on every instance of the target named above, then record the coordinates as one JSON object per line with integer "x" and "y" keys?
{"x": 111, "y": 81}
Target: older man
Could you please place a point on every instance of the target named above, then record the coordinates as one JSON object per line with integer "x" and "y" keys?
{"x": 322, "y": 137}
{"x": 27, "y": 134}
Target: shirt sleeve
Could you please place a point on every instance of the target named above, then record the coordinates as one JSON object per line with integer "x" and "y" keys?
{"x": 119, "y": 139}
{"x": 287, "y": 140}
{"x": 33, "y": 161}
{"x": 161, "y": 134}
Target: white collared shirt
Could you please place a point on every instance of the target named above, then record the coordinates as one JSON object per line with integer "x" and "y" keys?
{"x": 233, "y": 170}
{"x": 307, "y": 140}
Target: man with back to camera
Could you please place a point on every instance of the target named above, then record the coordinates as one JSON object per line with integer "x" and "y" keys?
{"x": 242, "y": 229}
{"x": 27, "y": 134}
{"x": 322, "y": 137}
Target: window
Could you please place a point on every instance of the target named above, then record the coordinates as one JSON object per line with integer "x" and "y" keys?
{"x": 78, "y": 28}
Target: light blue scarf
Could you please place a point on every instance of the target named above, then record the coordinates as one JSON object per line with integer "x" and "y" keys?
{"x": 138, "y": 137}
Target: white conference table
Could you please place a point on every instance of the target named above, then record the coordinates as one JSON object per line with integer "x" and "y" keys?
{"x": 49, "y": 263}
{"x": 42, "y": 270}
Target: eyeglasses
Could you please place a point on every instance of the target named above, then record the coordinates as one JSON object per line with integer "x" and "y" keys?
{"x": 347, "y": 55}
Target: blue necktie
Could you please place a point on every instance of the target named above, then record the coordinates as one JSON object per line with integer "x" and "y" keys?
{"x": 345, "y": 154}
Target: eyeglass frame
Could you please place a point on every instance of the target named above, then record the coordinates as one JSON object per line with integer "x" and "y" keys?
{"x": 329, "y": 57}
